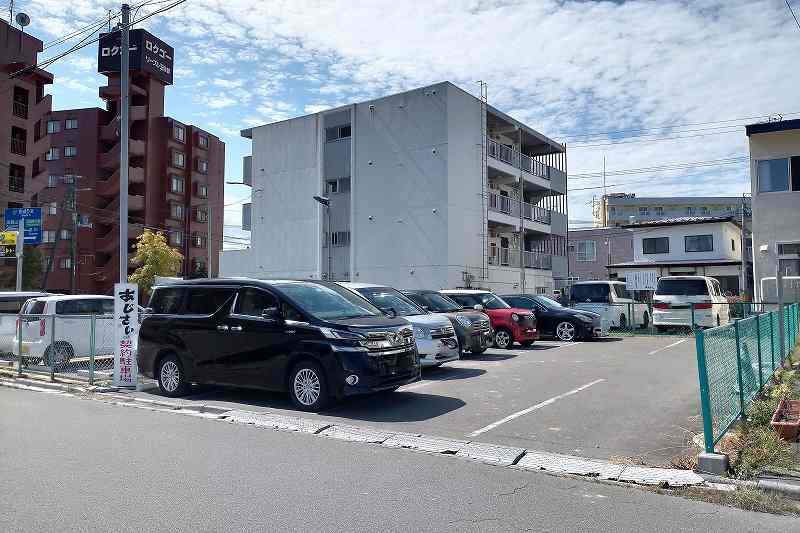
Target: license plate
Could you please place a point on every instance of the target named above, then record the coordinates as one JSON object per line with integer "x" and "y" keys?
{"x": 26, "y": 349}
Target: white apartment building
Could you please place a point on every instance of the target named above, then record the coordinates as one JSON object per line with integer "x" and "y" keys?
{"x": 619, "y": 209}
{"x": 430, "y": 188}
{"x": 687, "y": 246}
{"x": 775, "y": 182}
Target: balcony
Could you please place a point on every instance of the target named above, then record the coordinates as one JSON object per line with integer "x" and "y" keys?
{"x": 20, "y": 109}
{"x": 518, "y": 160}
{"x": 112, "y": 92}
{"x": 110, "y": 159}
{"x": 510, "y": 207}
{"x": 16, "y": 184}
{"x": 510, "y": 257}
{"x": 18, "y": 146}
{"x": 110, "y": 187}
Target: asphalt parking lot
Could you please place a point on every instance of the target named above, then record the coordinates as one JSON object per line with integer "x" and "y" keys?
{"x": 613, "y": 398}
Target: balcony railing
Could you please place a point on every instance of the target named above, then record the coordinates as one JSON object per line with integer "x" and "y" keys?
{"x": 516, "y": 159}
{"x": 18, "y": 146}
{"x": 20, "y": 109}
{"x": 509, "y": 206}
{"x": 16, "y": 184}
{"x": 500, "y": 256}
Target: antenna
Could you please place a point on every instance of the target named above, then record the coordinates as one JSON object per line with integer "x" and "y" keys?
{"x": 23, "y": 19}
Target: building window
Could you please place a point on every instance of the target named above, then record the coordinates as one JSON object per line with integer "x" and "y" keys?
{"x": 178, "y": 159}
{"x": 71, "y": 124}
{"x": 202, "y": 190}
{"x": 176, "y": 238}
{"x": 691, "y": 211}
{"x": 699, "y": 243}
{"x": 704, "y": 210}
{"x": 202, "y": 141}
{"x": 16, "y": 178}
{"x": 176, "y": 184}
{"x": 53, "y": 181}
{"x": 70, "y": 151}
{"x": 198, "y": 240}
{"x": 338, "y": 238}
{"x": 337, "y": 132}
{"x": 52, "y": 208}
{"x": 65, "y": 263}
{"x": 333, "y": 186}
{"x": 775, "y": 175}
{"x": 643, "y": 211}
{"x": 48, "y": 236}
{"x": 202, "y": 166}
{"x": 733, "y": 245}
{"x": 52, "y": 154}
{"x": 176, "y": 211}
{"x": 53, "y": 126}
{"x": 179, "y": 133}
{"x": 69, "y": 177}
{"x": 201, "y": 214}
{"x": 657, "y": 245}
{"x": 658, "y": 211}
{"x": 612, "y": 210}
{"x": 66, "y": 235}
{"x": 585, "y": 251}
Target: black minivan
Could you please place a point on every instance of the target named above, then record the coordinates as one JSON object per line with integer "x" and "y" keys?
{"x": 314, "y": 339}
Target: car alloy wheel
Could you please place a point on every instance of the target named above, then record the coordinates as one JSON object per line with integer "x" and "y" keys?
{"x": 565, "y": 331}
{"x": 502, "y": 339}
{"x": 307, "y": 387}
{"x": 170, "y": 376}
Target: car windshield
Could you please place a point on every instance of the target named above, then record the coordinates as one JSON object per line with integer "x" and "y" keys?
{"x": 487, "y": 300}
{"x": 386, "y": 297}
{"x": 435, "y": 302}
{"x": 682, "y": 287}
{"x": 547, "y": 302}
{"x": 591, "y": 293}
{"x": 327, "y": 302}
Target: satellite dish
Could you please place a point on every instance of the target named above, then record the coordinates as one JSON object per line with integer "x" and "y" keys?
{"x": 23, "y": 19}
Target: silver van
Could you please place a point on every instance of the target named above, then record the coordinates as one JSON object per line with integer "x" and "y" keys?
{"x": 10, "y": 305}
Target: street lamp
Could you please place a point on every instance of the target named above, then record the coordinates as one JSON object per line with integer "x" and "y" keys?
{"x": 326, "y": 204}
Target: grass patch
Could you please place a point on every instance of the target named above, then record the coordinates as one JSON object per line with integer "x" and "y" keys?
{"x": 761, "y": 447}
{"x": 741, "y": 498}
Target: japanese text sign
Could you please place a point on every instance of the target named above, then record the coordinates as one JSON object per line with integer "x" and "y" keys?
{"x": 126, "y": 334}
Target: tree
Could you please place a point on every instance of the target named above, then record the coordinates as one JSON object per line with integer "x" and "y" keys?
{"x": 31, "y": 268}
{"x": 154, "y": 257}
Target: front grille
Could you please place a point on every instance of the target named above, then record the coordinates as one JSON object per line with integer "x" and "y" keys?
{"x": 396, "y": 340}
{"x": 443, "y": 332}
{"x": 527, "y": 320}
{"x": 482, "y": 325}
{"x": 396, "y": 364}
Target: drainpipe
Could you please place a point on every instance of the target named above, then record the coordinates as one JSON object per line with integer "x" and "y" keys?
{"x": 521, "y": 218}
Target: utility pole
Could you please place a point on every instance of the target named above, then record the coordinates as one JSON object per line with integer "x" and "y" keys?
{"x": 19, "y": 251}
{"x": 742, "y": 250}
{"x": 521, "y": 217}
{"x": 604, "y": 204}
{"x": 74, "y": 238}
{"x": 51, "y": 263}
{"x": 124, "y": 135}
{"x": 208, "y": 243}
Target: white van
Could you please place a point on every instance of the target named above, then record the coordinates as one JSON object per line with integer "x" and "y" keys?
{"x": 10, "y": 305}
{"x": 612, "y": 301}
{"x": 675, "y": 296}
{"x": 56, "y": 329}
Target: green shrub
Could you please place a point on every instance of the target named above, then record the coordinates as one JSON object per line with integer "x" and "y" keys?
{"x": 762, "y": 447}
{"x": 761, "y": 411}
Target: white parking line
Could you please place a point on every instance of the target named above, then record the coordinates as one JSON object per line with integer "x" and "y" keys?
{"x": 532, "y": 408}
{"x": 668, "y": 346}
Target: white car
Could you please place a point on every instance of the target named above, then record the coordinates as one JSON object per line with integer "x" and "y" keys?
{"x": 676, "y": 295}
{"x": 612, "y": 301}
{"x": 56, "y": 329}
{"x": 434, "y": 333}
{"x": 10, "y": 305}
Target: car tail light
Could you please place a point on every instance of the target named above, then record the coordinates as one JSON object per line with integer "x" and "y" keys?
{"x": 42, "y": 328}
{"x": 17, "y": 326}
{"x": 661, "y": 305}
{"x": 702, "y": 306}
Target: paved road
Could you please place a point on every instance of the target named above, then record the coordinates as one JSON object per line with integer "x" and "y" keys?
{"x": 628, "y": 397}
{"x": 80, "y": 465}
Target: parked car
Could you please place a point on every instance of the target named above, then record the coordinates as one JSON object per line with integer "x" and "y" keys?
{"x": 315, "y": 340}
{"x": 473, "y": 328}
{"x": 436, "y": 338}
{"x": 10, "y": 305}
{"x": 510, "y": 324}
{"x": 561, "y": 322}
{"x": 611, "y": 300}
{"x": 55, "y": 329}
{"x": 675, "y": 296}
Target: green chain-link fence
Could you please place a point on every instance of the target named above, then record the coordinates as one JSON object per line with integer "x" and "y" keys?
{"x": 734, "y": 363}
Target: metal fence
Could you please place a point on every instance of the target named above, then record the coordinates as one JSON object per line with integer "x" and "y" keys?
{"x": 736, "y": 361}
{"x": 76, "y": 346}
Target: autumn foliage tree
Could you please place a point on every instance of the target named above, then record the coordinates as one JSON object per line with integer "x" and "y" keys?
{"x": 153, "y": 257}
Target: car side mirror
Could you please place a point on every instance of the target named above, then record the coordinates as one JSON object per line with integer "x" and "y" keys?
{"x": 273, "y": 314}
{"x": 477, "y": 307}
{"x": 426, "y": 308}
{"x": 389, "y": 311}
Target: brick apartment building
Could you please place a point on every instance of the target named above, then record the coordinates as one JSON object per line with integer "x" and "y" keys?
{"x": 22, "y": 106}
{"x": 176, "y": 173}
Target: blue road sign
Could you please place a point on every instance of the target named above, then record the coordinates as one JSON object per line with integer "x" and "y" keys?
{"x": 33, "y": 222}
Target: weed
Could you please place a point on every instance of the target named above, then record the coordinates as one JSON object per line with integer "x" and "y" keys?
{"x": 743, "y": 498}
{"x": 760, "y": 446}
{"x": 761, "y": 411}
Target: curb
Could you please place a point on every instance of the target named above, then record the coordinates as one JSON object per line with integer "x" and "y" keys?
{"x": 781, "y": 487}
{"x": 491, "y": 454}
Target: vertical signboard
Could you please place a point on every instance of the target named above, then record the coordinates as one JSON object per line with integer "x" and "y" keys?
{"x": 33, "y": 222}
{"x": 147, "y": 53}
{"x": 126, "y": 333}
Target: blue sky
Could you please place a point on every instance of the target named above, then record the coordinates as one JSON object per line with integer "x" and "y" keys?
{"x": 642, "y": 83}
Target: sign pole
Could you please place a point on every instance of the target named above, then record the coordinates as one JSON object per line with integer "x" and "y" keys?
{"x": 20, "y": 247}
{"x": 124, "y": 135}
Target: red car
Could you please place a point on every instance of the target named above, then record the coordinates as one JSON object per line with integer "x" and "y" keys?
{"x": 510, "y": 324}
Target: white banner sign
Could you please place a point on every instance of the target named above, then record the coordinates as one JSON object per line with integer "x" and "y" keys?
{"x": 643, "y": 280}
{"x": 126, "y": 333}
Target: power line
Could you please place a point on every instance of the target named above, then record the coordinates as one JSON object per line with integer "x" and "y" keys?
{"x": 623, "y": 141}
{"x": 793, "y": 15}
{"x": 662, "y": 168}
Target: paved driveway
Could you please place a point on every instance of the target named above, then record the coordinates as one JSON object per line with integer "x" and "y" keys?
{"x": 623, "y": 397}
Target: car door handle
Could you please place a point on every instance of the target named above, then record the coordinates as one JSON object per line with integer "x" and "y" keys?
{"x": 236, "y": 328}
{"x": 222, "y": 327}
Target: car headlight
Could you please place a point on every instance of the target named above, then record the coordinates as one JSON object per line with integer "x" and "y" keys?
{"x": 464, "y": 321}
{"x": 515, "y": 317}
{"x": 586, "y": 319}
{"x": 330, "y": 333}
{"x": 421, "y": 333}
